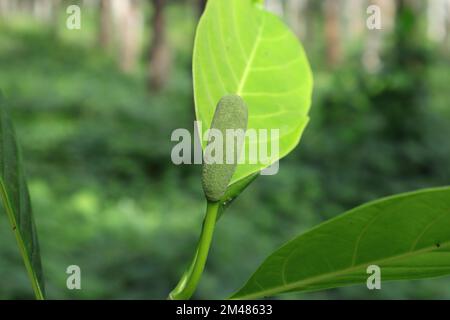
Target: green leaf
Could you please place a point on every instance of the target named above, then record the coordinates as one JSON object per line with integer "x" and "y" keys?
{"x": 407, "y": 236}
{"x": 16, "y": 202}
{"x": 242, "y": 49}
{"x": 233, "y": 192}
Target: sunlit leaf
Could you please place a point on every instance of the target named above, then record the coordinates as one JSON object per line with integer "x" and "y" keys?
{"x": 407, "y": 236}
{"x": 242, "y": 49}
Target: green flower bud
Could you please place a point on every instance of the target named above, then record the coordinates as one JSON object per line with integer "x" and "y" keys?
{"x": 230, "y": 122}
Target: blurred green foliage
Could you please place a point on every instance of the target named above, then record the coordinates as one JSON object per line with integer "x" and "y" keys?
{"x": 107, "y": 197}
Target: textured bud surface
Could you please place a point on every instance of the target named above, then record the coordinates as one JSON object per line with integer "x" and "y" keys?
{"x": 231, "y": 113}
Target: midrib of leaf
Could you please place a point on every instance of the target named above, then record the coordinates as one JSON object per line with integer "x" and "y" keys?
{"x": 304, "y": 282}
{"x": 23, "y": 251}
{"x": 251, "y": 57}
{"x": 236, "y": 32}
{"x": 227, "y": 59}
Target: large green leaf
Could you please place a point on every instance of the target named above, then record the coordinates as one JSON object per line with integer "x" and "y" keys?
{"x": 242, "y": 49}
{"x": 407, "y": 236}
{"x": 16, "y": 202}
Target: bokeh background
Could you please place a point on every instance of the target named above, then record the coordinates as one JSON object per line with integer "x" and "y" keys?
{"x": 94, "y": 110}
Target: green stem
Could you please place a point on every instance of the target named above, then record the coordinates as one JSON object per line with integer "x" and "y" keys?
{"x": 189, "y": 281}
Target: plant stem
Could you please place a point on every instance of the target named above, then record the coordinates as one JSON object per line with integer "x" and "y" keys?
{"x": 189, "y": 281}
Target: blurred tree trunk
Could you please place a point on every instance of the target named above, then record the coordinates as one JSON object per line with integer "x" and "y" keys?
{"x": 275, "y": 6}
{"x": 447, "y": 39}
{"x": 56, "y": 7}
{"x": 4, "y": 7}
{"x": 104, "y": 36}
{"x": 332, "y": 31}
{"x": 355, "y": 13}
{"x": 12, "y": 6}
{"x": 42, "y": 10}
{"x": 313, "y": 13}
{"x": 295, "y": 11}
{"x": 410, "y": 56}
{"x": 437, "y": 19}
{"x": 201, "y": 6}
{"x": 159, "y": 56}
{"x": 26, "y": 6}
{"x": 374, "y": 40}
{"x": 129, "y": 31}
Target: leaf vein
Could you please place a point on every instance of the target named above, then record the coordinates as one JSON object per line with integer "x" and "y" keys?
{"x": 251, "y": 58}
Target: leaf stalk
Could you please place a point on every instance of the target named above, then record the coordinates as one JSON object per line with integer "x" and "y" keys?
{"x": 190, "y": 279}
